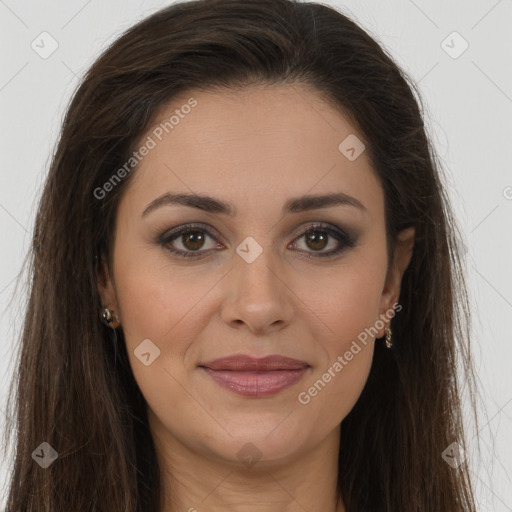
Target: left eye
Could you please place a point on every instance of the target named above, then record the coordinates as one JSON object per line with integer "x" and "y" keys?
{"x": 317, "y": 239}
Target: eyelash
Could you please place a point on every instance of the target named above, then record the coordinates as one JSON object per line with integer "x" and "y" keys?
{"x": 346, "y": 240}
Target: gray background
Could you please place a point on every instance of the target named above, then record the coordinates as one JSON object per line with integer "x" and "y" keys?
{"x": 469, "y": 115}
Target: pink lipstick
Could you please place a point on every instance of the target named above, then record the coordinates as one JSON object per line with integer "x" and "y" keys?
{"x": 255, "y": 377}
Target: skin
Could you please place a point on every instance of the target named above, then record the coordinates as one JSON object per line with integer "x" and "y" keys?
{"x": 254, "y": 148}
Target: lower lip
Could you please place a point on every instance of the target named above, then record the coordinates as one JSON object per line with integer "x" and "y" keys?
{"x": 256, "y": 384}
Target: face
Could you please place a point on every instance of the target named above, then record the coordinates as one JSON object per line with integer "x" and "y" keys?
{"x": 256, "y": 270}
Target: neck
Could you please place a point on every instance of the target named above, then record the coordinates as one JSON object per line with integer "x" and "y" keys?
{"x": 196, "y": 482}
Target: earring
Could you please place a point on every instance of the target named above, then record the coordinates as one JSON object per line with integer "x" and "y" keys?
{"x": 389, "y": 343}
{"x": 109, "y": 319}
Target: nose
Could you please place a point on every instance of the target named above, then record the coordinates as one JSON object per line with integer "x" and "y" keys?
{"x": 257, "y": 295}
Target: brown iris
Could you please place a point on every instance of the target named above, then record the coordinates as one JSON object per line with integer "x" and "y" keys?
{"x": 193, "y": 240}
{"x": 313, "y": 238}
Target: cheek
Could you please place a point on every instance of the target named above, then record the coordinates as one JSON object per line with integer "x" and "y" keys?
{"x": 160, "y": 320}
{"x": 157, "y": 299}
{"x": 157, "y": 305}
{"x": 347, "y": 299}
{"x": 339, "y": 378}
{"x": 348, "y": 306}
{"x": 163, "y": 322}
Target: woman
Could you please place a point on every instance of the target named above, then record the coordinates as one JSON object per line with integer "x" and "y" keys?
{"x": 246, "y": 292}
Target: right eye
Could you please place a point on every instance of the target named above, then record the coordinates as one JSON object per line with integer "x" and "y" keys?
{"x": 192, "y": 238}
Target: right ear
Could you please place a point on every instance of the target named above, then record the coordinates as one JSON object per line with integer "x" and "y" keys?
{"x": 106, "y": 287}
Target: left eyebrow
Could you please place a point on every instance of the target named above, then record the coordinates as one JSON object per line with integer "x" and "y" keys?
{"x": 211, "y": 205}
{"x": 310, "y": 202}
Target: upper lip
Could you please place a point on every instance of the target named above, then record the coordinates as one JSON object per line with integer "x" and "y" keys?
{"x": 247, "y": 363}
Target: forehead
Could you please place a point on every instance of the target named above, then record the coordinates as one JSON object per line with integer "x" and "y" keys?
{"x": 253, "y": 144}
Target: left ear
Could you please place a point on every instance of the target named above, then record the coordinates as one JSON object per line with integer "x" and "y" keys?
{"x": 401, "y": 258}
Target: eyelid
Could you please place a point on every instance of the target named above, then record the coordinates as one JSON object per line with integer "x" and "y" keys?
{"x": 343, "y": 237}
{"x": 170, "y": 235}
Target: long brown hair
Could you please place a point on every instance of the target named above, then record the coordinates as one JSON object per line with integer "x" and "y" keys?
{"x": 74, "y": 388}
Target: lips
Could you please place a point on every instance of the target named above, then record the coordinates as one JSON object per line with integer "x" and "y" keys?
{"x": 252, "y": 377}
{"x": 245, "y": 363}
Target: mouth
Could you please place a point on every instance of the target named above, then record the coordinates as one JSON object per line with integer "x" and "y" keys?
{"x": 248, "y": 376}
